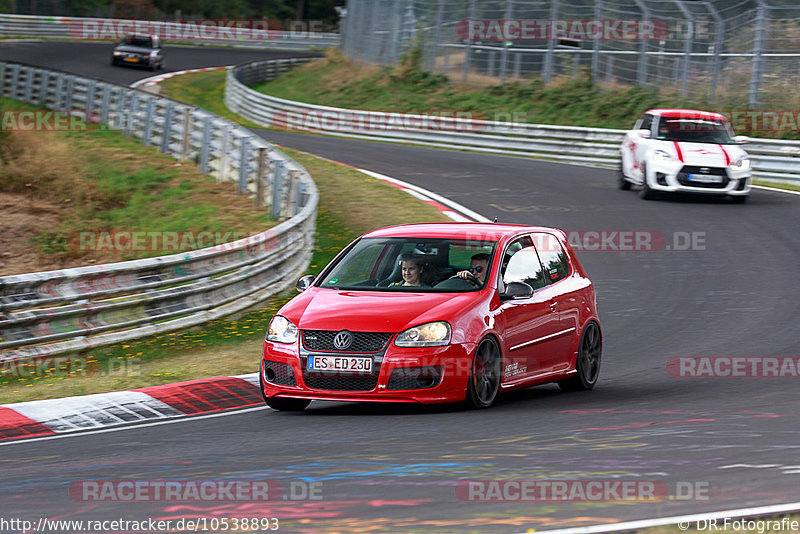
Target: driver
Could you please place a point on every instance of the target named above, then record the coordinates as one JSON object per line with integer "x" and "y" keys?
{"x": 477, "y": 267}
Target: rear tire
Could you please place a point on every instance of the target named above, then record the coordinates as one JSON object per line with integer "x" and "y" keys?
{"x": 587, "y": 364}
{"x": 484, "y": 375}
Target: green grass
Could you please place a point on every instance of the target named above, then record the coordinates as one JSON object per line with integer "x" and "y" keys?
{"x": 574, "y": 101}
{"x": 222, "y": 347}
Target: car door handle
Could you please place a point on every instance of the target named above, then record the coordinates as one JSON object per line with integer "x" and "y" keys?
{"x": 553, "y": 306}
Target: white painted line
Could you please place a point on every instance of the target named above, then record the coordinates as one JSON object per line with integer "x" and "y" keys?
{"x": 775, "y": 189}
{"x": 433, "y": 196}
{"x": 135, "y": 426}
{"x": 154, "y": 80}
{"x": 679, "y": 519}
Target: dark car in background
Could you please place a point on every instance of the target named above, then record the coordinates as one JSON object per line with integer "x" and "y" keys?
{"x": 141, "y": 50}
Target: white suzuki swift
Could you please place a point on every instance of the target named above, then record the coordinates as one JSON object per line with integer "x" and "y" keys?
{"x": 684, "y": 150}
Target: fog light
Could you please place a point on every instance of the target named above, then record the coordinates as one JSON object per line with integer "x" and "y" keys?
{"x": 270, "y": 374}
{"x": 661, "y": 178}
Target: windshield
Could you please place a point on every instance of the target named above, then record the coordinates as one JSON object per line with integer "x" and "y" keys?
{"x": 132, "y": 40}
{"x": 412, "y": 264}
{"x": 694, "y": 130}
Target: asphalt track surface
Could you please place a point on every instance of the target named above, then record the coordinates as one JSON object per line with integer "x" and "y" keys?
{"x": 734, "y": 441}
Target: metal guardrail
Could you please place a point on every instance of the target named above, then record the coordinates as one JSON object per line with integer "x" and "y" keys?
{"x": 53, "y": 312}
{"x": 776, "y": 160}
{"x": 69, "y": 28}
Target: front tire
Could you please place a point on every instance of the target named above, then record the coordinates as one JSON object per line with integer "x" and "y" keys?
{"x": 739, "y": 199}
{"x": 622, "y": 182}
{"x": 645, "y": 192}
{"x": 587, "y": 365}
{"x": 484, "y": 376}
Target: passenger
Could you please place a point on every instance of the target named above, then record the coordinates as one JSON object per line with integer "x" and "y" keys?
{"x": 478, "y": 266}
{"x": 416, "y": 272}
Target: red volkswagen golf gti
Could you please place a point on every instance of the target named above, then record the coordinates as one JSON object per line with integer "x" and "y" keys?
{"x": 434, "y": 313}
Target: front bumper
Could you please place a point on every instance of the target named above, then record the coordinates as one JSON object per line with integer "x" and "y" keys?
{"x": 420, "y": 375}
{"x": 675, "y": 176}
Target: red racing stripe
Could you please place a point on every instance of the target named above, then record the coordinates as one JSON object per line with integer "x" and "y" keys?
{"x": 727, "y": 157}
{"x": 203, "y": 396}
{"x": 678, "y": 150}
{"x": 15, "y": 425}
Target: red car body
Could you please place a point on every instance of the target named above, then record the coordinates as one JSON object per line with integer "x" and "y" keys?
{"x": 537, "y": 336}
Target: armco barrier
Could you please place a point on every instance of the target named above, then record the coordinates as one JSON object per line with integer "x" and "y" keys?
{"x": 772, "y": 159}
{"x": 54, "y": 312}
{"x": 70, "y": 28}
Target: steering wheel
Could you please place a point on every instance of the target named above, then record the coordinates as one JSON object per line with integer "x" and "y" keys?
{"x": 470, "y": 278}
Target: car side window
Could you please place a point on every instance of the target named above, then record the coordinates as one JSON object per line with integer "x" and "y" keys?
{"x": 521, "y": 264}
{"x": 646, "y": 122}
{"x": 554, "y": 259}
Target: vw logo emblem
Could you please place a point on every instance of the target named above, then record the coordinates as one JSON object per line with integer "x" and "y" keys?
{"x": 705, "y": 170}
{"x": 342, "y": 340}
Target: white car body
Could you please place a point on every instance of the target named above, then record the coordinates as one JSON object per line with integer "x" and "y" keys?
{"x": 684, "y": 150}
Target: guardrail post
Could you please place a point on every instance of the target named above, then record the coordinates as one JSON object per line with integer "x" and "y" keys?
{"x": 294, "y": 186}
{"x": 70, "y": 91}
{"x": 302, "y": 197}
{"x": 104, "y": 103}
{"x": 261, "y": 175}
{"x": 45, "y": 85}
{"x": 166, "y": 129}
{"x": 59, "y": 91}
{"x": 244, "y": 160}
{"x": 205, "y": 144}
{"x": 90, "y": 89}
{"x": 29, "y": 85}
{"x": 279, "y": 172}
{"x": 14, "y": 81}
{"x": 223, "y": 154}
{"x": 148, "y": 121}
{"x": 131, "y": 115}
{"x": 186, "y": 141}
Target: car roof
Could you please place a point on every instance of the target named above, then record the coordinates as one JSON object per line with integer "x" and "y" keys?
{"x": 686, "y": 113}
{"x": 483, "y": 231}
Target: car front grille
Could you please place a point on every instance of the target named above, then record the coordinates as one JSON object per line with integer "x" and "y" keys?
{"x": 341, "y": 381}
{"x": 683, "y": 176}
{"x": 279, "y": 373}
{"x": 363, "y": 342}
{"x": 415, "y": 378}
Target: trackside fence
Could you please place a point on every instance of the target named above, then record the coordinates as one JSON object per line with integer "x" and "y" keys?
{"x": 67, "y": 310}
{"x": 777, "y": 160}
{"x": 104, "y": 28}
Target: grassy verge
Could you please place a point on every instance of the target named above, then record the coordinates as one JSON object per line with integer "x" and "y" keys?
{"x": 221, "y": 347}
{"x": 777, "y": 185}
{"x": 96, "y": 182}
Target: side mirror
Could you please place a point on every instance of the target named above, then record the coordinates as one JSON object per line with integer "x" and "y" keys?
{"x": 741, "y": 139}
{"x": 644, "y": 134}
{"x": 516, "y": 291}
{"x": 304, "y": 282}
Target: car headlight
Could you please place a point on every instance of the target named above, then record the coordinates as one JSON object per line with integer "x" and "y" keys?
{"x": 433, "y": 334}
{"x": 741, "y": 164}
{"x": 661, "y": 155}
{"x": 282, "y": 330}
{"x": 153, "y": 53}
{"x": 117, "y": 53}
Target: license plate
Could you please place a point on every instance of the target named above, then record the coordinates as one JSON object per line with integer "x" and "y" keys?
{"x": 344, "y": 364}
{"x": 131, "y": 59}
{"x": 705, "y": 178}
